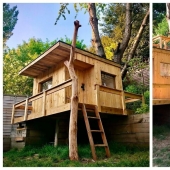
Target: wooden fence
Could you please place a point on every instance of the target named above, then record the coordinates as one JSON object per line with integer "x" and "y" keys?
{"x": 8, "y": 102}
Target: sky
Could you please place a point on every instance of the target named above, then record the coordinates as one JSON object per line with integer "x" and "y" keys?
{"x": 37, "y": 20}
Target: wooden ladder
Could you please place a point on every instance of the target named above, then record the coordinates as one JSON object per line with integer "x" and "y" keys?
{"x": 89, "y": 131}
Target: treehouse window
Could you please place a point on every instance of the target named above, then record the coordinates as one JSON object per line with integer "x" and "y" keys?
{"x": 108, "y": 80}
{"x": 46, "y": 85}
{"x": 165, "y": 69}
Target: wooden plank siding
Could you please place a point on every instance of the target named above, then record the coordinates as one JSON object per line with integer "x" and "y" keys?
{"x": 43, "y": 108}
{"x": 91, "y": 76}
{"x": 161, "y": 84}
{"x": 8, "y": 102}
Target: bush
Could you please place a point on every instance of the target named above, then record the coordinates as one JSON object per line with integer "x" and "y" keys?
{"x": 138, "y": 107}
{"x": 143, "y": 109}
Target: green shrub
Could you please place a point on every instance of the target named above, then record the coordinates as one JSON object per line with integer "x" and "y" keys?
{"x": 137, "y": 106}
{"x": 143, "y": 109}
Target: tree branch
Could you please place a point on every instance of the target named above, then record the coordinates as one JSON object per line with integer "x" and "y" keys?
{"x": 96, "y": 41}
{"x": 126, "y": 36}
{"x": 136, "y": 42}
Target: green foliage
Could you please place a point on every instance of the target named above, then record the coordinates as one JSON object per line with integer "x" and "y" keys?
{"x": 79, "y": 43}
{"x": 15, "y": 59}
{"x": 138, "y": 107}
{"x": 63, "y": 9}
{"x": 147, "y": 97}
{"x": 143, "y": 109}
{"x": 50, "y": 156}
{"x": 109, "y": 46}
{"x": 162, "y": 28}
{"x": 134, "y": 88}
{"x": 9, "y": 21}
{"x": 159, "y": 11}
{"x": 113, "y": 26}
{"x": 113, "y": 21}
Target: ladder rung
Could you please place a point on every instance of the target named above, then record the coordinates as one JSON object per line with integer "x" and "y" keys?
{"x": 96, "y": 131}
{"x": 101, "y": 145}
{"x": 92, "y": 117}
{"x": 100, "y": 130}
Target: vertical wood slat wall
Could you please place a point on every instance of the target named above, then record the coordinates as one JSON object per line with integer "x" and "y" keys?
{"x": 88, "y": 76}
{"x": 161, "y": 84}
{"x": 8, "y": 102}
{"x": 54, "y": 100}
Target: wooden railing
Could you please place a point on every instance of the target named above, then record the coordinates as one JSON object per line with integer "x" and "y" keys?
{"x": 162, "y": 42}
{"x": 25, "y": 104}
{"x": 126, "y": 97}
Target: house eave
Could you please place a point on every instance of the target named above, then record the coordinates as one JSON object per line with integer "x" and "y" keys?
{"x": 57, "y": 53}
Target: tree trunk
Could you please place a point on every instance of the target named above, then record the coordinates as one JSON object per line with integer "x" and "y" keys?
{"x": 96, "y": 41}
{"x": 136, "y": 43}
{"x": 118, "y": 54}
{"x": 168, "y": 16}
{"x": 73, "y": 151}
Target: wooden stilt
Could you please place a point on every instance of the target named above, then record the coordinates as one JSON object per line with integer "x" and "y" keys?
{"x": 56, "y": 133}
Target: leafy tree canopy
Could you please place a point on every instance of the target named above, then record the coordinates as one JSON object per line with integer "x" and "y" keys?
{"x": 162, "y": 28}
{"x": 9, "y": 21}
{"x": 159, "y": 12}
{"x": 79, "y": 43}
{"x": 113, "y": 25}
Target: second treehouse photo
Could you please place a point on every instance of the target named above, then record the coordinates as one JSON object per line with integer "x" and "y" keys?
{"x": 161, "y": 84}
{"x": 161, "y": 70}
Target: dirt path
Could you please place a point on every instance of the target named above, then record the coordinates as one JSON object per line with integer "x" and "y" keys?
{"x": 161, "y": 151}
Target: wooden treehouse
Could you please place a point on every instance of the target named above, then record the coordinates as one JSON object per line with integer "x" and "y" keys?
{"x": 99, "y": 89}
{"x": 161, "y": 70}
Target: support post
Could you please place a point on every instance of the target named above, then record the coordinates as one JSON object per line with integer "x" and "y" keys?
{"x": 160, "y": 42}
{"x": 56, "y": 133}
{"x": 26, "y": 110}
{"x": 123, "y": 102}
{"x": 143, "y": 99}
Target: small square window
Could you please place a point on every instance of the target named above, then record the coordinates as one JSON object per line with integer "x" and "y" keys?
{"x": 165, "y": 69}
{"x": 108, "y": 80}
{"x": 45, "y": 85}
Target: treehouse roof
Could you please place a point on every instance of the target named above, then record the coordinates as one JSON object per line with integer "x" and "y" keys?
{"x": 58, "y": 52}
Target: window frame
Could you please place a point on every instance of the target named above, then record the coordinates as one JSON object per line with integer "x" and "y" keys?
{"x": 114, "y": 79}
{"x": 40, "y": 88}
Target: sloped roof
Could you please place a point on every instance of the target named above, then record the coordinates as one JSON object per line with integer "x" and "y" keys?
{"x": 58, "y": 52}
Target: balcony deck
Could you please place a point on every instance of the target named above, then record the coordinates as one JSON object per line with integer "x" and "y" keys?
{"x": 161, "y": 101}
{"x": 46, "y": 103}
